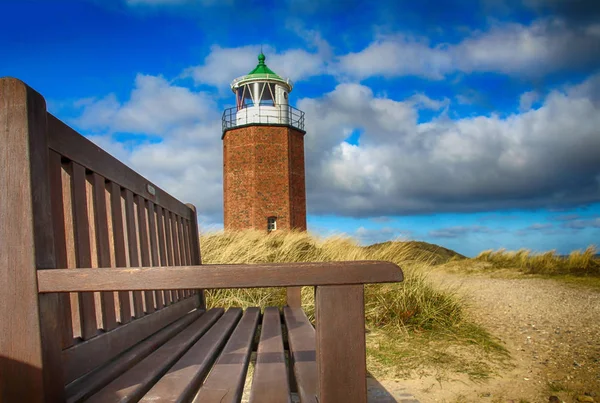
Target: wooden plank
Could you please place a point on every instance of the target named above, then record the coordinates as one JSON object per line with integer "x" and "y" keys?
{"x": 83, "y": 253}
{"x": 60, "y": 244}
{"x": 195, "y": 250}
{"x": 67, "y": 194}
{"x": 301, "y": 339}
{"x": 134, "y": 383}
{"x": 221, "y": 276}
{"x": 30, "y": 339}
{"x": 84, "y": 357}
{"x": 66, "y": 141}
{"x": 294, "y": 297}
{"x": 270, "y": 379}
{"x": 182, "y": 381}
{"x": 183, "y": 252}
{"x": 162, "y": 247}
{"x": 225, "y": 383}
{"x": 176, "y": 250}
{"x": 144, "y": 248}
{"x": 118, "y": 236}
{"x": 340, "y": 310}
{"x": 85, "y": 386}
{"x": 132, "y": 243}
{"x": 158, "y": 295}
{"x": 170, "y": 253}
{"x": 109, "y": 320}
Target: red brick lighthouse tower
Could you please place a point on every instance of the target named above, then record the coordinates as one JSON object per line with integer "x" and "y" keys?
{"x": 263, "y": 155}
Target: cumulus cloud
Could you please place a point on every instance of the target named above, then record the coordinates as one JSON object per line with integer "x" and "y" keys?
{"x": 155, "y": 106}
{"x": 540, "y": 158}
{"x": 544, "y": 46}
{"x": 545, "y": 157}
{"x": 222, "y": 65}
{"x": 186, "y": 161}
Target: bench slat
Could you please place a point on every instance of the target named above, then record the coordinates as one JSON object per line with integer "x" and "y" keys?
{"x": 184, "y": 378}
{"x": 133, "y": 384}
{"x": 225, "y": 382}
{"x": 60, "y": 243}
{"x": 107, "y": 299}
{"x": 301, "y": 339}
{"x": 270, "y": 380}
{"x": 158, "y": 294}
{"x": 118, "y": 237}
{"x": 85, "y": 386}
{"x": 84, "y": 357}
{"x": 175, "y": 241}
{"x": 87, "y": 304}
{"x": 142, "y": 222}
{"x": 132, "y": 243}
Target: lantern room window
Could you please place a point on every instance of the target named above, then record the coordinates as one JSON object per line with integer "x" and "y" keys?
{"x": 271, "y": 224}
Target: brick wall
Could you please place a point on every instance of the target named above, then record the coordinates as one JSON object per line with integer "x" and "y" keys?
{"x": 263, "y": 175}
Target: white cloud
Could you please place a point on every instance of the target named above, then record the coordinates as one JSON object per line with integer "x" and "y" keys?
{"x": 398, "y": 55}
{"x": 527, "y": 99}
{"x": 222, "y": 65}
{"x": 187, "y": 162}
{"x": 544, "y": 46}
{"x": 154, "y": 107}
{"x": 540, "y": 158}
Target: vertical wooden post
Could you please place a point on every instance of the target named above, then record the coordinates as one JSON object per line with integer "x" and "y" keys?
{"x": 196, "y": 255}
{"x": 294, "y": 297}
{"x": 30, "y": 337}
{"x": 340, "y": 339}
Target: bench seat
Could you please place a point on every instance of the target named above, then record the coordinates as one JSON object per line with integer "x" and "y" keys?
{"x": 204, "y": 357}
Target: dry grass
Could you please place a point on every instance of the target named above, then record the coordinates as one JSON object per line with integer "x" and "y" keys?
{"x": 549, "y": 263}
{"x": 402, "y": 319}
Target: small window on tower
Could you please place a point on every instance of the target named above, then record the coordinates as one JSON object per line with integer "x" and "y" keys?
{"x": 271, "y": 224}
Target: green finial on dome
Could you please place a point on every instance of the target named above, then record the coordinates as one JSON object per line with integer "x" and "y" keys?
{"x": 262, "y": 69}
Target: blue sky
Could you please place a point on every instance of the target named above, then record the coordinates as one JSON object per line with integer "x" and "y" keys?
{"x": 470, "y": 124}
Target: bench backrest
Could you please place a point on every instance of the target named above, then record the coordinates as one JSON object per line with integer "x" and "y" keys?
{"x": 66, "y": 203}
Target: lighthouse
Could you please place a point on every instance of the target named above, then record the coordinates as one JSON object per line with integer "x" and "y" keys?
{"x": 263, "y": 155}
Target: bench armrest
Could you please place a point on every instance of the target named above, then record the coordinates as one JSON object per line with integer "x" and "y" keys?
{"x": 218, "y": 276}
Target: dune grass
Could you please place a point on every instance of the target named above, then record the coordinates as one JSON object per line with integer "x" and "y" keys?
{"x": 409, "y": 324}
{"x": 581, "y": 263}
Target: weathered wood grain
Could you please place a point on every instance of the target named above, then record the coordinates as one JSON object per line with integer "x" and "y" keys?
{"x": 220, "y": 276}
{"x": 270, "y": 378}
{"x": 195, "y": 250}
{"x": 340, "y": 338}
{"x": 303, "y": 357}
{"x": 60, "y": 244}
{"x": 182, "y": 381}
{"x": 132, "y": 244}
{"x": 109, "y": 320}
{"x": 84, "y": 357}
{"x": 30, "y": 337}
{"x": 225, "y": 382}
{"x": 133, "y": 384}
{"x": 118, "y": 238}
{"x": 294, "y": 297}
{"x": 83, "y": 253}
{"x": 142, "y": 230}
{"x": 90, "y": 383}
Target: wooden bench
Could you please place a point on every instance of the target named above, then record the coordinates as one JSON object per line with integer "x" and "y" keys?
{"x": 102, "y": 285}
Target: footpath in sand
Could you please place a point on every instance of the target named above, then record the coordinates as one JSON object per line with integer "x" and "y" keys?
{"x": 551, "y": 330}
